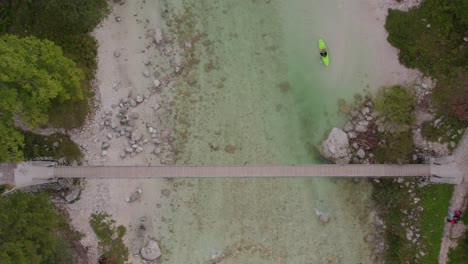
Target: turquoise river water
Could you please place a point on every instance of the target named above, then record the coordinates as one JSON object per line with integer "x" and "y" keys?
{"x": 255, "y": 92}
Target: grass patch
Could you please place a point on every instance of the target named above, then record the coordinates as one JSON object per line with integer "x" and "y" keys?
{"x": 396, "y": 204}
{"x": 435, "y": 200}
{"x": 446, "y": 129}
{"x": 397, "y": 149}
{"x": 460, "y": 253}
{"x": 43, "y": 146}
{"x": 111, "y": 245}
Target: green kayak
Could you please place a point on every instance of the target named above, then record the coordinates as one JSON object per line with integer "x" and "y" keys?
{"x": 324, "y": 52}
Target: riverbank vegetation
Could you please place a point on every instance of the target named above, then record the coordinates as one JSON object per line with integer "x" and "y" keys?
{"x": 33, "y": 232}
{"x": 414, "y": 216}
{"x": 111, "y": 245}
{"x": 433, "y": 39}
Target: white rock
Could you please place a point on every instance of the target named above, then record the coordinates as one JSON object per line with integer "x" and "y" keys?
{"x": 139, "y": 149}
{"x": 360, "y": 128}
{"x": 136, "y": 136}
{"x": 109, "y": 136}
{"x": 139, "y": 99}
{"x": 157, "y": 36}
{"x": 150, "y": 129}
{"x": 361, "y": 153}
{"x": 146, "y": 73}
{"x": 336, "y": 147}
{"x": 352, "y": 135}
{"x": 104, "y": 153}
{"x": 150, "y": 251}
{"x": 365, "y": 111}
{"x": 156, "y": 83}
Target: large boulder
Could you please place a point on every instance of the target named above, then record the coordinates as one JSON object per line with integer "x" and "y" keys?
{"x": 336, "y": 147}
{"x": 150, "y": 251}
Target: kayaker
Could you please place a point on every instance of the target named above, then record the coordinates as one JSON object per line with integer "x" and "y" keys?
{"x": 323, "y": 52}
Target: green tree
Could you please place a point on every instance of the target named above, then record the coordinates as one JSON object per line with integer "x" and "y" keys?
{"x": 11, "y": 141}
{"x": 33, "y": 73}
{"x": 396, "y": 104}
{"x": 27, "y": 223}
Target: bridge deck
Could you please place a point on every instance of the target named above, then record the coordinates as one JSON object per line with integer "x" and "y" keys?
{"x": 374, "y": 170}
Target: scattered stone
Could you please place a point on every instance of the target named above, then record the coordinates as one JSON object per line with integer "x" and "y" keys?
{"x": 134, "y": 115}
{"x": 109, "y": 136}
{"x": 166, "y": 192}
{"x": 73, "y": 195}
{"x": 453, "y": 144}
{"x": 428, "y": 25}
{"x": 157, "y": 36}
{"x": 151, "y": 129}
{"x": 118, "y": 19}
{"x": 415, "y": 157}
{"x": 139, "y": 149}
{"x": 361, "y": 153}
{"x": 133, "y": 103}
{"x": 135, "y": 196}
{"x": 136, "y": 136}
{"x": 139, "y": 190}
{"x": 150, "y": 251}
{"x": 129, "y": 150}
{"x": 360, "y": 128}
{"x": 56, "y": 144}
{"x": 105, "y": 145}
{"x": 146, "y": 73}
{"x": 139, "y": 99}
{"x": 230, "y": 149}
{"x": 117, "y": 53}
{"x": 324, "y": 219}
{"x": 348, "y": 127}
{"x": 352, "y": 135}
{"x": 157, "y": 151}
{"x": 188, "y": 46}
{"x": 104, "y": 153}
{"x": 123, "y": 154}
{"x": 365, "y": 111}
{"x": 177, "y": 69}
{"x": 156, "y": 83}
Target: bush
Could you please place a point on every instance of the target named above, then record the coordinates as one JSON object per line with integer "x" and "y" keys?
{"x": 438, "y": 50}
{"x": 111, "y": 246}
{"x": 43, "y": 146}
{"x": 396, "y": 105}
{"x": 398, "y": 148}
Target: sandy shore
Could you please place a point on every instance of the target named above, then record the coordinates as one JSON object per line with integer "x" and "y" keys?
{"x": 129, "y": 63}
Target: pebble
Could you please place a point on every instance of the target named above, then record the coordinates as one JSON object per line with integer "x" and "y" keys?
{"x": 139, "y": 149}
{"x": 104, "y": 153}
{"x": 109, "y": 136}
{"x": 146, "y": 73}
{"x": 118, "y": 19}
{"x": 139, "y": 99}
{"x": 117, "y": 53}
{"x": 156, "y": 83}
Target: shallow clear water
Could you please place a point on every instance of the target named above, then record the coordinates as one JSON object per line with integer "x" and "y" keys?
{"x": 256, "y": 92}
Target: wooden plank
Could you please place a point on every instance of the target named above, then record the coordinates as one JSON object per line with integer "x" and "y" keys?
{"x": 358, "y": 170}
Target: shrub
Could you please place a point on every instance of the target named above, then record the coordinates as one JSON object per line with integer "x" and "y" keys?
{"x": 111, "y": 245}
{"x": 396, "y": 104}
{"x": 398, "y": 148}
